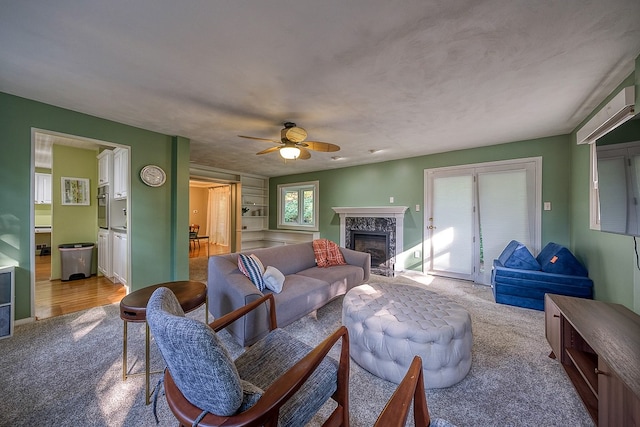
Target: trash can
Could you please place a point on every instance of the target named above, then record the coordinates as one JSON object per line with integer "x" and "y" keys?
{"x": 76, "y": 260}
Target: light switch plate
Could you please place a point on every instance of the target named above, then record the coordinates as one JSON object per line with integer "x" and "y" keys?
{"x": 547, "y": 206}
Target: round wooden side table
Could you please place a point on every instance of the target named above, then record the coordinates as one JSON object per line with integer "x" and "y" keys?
{"x": 133, "y": 308}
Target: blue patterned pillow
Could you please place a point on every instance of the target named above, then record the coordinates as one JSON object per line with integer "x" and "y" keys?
{"x": 251, "y": 267}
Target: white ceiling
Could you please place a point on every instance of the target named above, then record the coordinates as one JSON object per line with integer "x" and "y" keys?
{"x": 407, "y": 77}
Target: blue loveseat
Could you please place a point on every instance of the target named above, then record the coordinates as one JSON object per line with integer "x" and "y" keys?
{"x": 519, "y": 279}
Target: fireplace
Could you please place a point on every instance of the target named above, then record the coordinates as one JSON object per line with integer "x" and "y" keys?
{"x": 381, "y": 229}
{"x": 377, "y": 245}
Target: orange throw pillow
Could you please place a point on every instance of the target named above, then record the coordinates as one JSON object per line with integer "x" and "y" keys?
{"x": 334, "y": 256}
{"x": 320, "y": 251}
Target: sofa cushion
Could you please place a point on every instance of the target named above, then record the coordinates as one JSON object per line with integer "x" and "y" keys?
{"x": 347, "y": 276}
{"x": 289, "y": 259}
{"x": 300, "y": 295}
{"x": 516, "y": 255}
{"x": 251, "y": 268}
{"x": 273, "y": 279}
{"x": 557, "y": 259}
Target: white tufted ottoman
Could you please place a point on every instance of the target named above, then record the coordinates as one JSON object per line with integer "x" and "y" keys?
{"x": 389, "y": 324}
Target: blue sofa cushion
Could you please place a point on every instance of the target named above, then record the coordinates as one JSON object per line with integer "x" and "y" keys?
{"x": 526, "y": 288}
{"x": 516, "y": 255}
{"x": 557, "y": 259}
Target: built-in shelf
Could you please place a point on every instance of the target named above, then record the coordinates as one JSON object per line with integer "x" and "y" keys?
{"x": 254, "y": 216}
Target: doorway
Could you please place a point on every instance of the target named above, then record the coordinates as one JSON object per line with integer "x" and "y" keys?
{"x": 209, "y": 214}
{"x": 473, "y": 211}
{"x": 56, "y": 221}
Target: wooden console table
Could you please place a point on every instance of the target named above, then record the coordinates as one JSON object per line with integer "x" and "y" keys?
{"x": 598, "y": 345}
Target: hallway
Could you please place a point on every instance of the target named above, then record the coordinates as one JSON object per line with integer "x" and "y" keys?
{"x": 55, "y": 297}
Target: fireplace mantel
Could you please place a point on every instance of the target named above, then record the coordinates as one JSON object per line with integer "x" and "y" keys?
{"x": 372, "y": 211}
{"x": 396, "y": 212}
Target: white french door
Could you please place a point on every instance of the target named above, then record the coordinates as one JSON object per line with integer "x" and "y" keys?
{"x": 473, "y": 211}
{"x": 450, "y": 224}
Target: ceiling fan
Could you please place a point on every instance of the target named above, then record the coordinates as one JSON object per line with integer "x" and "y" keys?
{"x": 292, "y": 144}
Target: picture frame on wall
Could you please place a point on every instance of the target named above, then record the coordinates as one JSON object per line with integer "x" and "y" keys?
{"x": 75, "y": 191}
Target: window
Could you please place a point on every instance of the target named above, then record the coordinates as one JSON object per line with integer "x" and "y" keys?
{"x": 298, "y": 206}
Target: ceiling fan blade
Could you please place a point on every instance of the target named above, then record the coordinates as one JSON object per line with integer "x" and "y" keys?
{"x": 269, "y": 150}
{"x": 304, "y": 153}
{"x": 321, "y": 146}
{"x": 259, "y": 139}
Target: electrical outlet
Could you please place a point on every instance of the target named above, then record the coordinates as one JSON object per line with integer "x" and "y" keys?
{"x": 417, "y": 208}
{"x": 416, "y": 254}
{"x": 391, "y": 199}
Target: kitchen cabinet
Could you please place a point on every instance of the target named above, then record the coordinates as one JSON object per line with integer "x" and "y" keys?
{"x": 120, "y": 258}
{"x": 105, "y": 254}
{"x": 105, "y": 167}
{"x": 42, "y": 188}
{"x": 120, "y": 173}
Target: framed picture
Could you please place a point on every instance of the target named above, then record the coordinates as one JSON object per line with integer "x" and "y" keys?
{"x": 75, "y": 191}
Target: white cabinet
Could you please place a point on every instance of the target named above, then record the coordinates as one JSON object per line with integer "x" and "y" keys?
{"x": 105, "y": 253}
{"x": 43, "y": 189}
{"x": 120, "y": 173}
{"x": 105, "y": 167}
{"x": 7, "y": 285}
{"x": 120, "y": 258}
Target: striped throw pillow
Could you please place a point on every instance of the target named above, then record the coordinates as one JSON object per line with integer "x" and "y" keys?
{"x": 251, "y": 268}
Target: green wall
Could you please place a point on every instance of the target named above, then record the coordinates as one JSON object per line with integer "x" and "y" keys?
{"x": 157, "y": 216}
{"x": 72, "y": 224}
{"x": 372, "y": 185}
{"x": 610, "y": 258}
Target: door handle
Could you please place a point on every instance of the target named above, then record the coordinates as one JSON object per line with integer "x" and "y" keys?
{"x": 431, "y": 227}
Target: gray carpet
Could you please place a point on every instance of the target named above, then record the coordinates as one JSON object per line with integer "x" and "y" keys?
{"x": 68, "y": 370}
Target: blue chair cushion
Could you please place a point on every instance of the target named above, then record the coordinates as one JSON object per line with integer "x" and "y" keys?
{"x": 198, "y": 361}
{"x": 557, "y": 259}
{"x": 516, "y": 255}
{"x": 271, "y": 357}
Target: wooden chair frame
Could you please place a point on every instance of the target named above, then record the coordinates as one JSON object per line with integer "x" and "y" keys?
{"x": 266, "y": 410}
{"x": 410, "y": 388}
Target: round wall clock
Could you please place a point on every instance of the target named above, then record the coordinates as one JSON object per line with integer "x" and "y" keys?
{"x": 153, "y": 175}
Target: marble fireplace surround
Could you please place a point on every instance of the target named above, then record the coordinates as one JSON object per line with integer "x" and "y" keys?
{"x": 393, "y": 212}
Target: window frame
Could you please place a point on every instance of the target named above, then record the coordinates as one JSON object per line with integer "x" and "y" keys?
{"x": 299, "y": 187}
{"x": 594, "y": 195}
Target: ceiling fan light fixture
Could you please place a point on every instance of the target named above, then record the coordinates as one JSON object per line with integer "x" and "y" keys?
{"x": 290, "y": 153}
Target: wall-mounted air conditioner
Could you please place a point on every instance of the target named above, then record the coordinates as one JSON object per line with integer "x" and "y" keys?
{"x": 616, "y": 112}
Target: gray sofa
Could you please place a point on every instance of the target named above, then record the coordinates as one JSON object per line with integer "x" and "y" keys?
{"x": 306, "y": 287}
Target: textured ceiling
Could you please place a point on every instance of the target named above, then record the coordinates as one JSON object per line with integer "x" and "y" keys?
{"x": 406, "y": 77}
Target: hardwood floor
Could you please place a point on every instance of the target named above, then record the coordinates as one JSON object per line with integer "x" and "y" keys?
{"x": 55, "y": 297}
